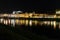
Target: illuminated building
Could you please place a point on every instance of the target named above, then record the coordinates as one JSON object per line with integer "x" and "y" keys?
{"x": 58, "y": 14}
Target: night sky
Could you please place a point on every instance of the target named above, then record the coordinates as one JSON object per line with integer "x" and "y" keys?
{"x": 28, "y": 6}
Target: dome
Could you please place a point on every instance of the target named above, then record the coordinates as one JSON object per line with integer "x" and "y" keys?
{"x": 14, "y": 12}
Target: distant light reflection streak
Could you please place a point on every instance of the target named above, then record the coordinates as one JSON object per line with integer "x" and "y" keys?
{"x": 14, "y": 22}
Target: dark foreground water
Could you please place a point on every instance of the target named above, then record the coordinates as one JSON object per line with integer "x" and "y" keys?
{"x": 28, "y": 33}
{"x": 18, "y": 29}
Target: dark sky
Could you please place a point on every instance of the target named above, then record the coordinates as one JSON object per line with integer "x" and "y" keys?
{"x": 58, "y": 4}
{"x": 28, "y": 5}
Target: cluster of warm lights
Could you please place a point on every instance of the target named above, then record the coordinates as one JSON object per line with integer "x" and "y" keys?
{"x": 18, "y": 14}
{"x": 29, "y": 15}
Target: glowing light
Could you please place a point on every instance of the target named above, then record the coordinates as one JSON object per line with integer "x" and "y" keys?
{"x": 18, "y": 11}
{"x": 14, "y": 12}
{"x": 9, "y": 21}
{"x": 54, "y": 24}
{"x": 35, "y": 22}
{"x": 5, "y": 15}
{"x": 16, "y": 21}
{"x": 54, "y": 16}
{"x": 45, "y": 22}
{"x": 51, "y": 23}
{"x": 6, "y": 22}
{"x": 48, "y": 22}
{"x": 26, "y": 22}
{"x": 1, "y": 20}
{"x": 30, "y": 14}
{"x": 12, "y": 16}
{"x": 30, "y": 23}
{"x": 57, "y": 12}
{"x": 13, "y": 22}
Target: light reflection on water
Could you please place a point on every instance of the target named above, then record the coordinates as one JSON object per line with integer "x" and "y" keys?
{"x": 13, "y": 22}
